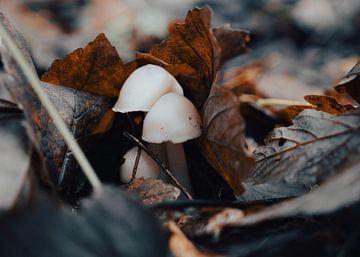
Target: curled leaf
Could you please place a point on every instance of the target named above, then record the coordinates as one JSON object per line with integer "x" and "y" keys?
{"x": 232, "y": 41}
{"x": 223, "y": 142}
{"x": 96, "y": 68}
{"x": 351, "y": 83}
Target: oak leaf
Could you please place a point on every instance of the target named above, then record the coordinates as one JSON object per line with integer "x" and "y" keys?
{"x": 96, "y": 68}
{"x": 308, "y": 152}
{"x": 224, "y": 143}
{"x": 351, "y": 83}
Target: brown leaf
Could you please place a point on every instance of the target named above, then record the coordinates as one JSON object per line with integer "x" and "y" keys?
{"x": 351, "y": 83}
{"x": 105, "y": 122}
{"x": 153, "y": 190}
{"x": 81, "y": 111}
{"x": 96, "y": 68}
{"x": 22, "y": 167}
{"x": 181, "y": 246}
{"x": 328, "y": 104}
{"x": 223, "y": 142}
{"x": 232, "y": 41}
{"x": 191, "y": 53}
{"x": 320, "y": 102}
{"x": 308, "y": 152}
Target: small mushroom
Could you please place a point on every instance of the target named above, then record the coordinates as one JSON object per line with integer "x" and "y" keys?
{"x": 144, "y": 87}
{"x": 173, "y": 119}
{"x": 147, "y": 167}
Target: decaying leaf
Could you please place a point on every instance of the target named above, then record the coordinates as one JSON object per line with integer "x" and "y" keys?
{"x": 81, "y": 111}
{"x": 224, "y": 143}
{"x": 180, "y": 246}
{"x": 96, "y": 68}
{"x": 320, "y": 103}
{"x": 351, "y": 83}
{"x": 309, "y": 151}
{"x": 232, "y": 42}
{"x": 328, "y": 104}
{"x": 191, "y": 53}
{"x": 153, "y": 190}
{"x": 15, "y": 83}
{"x": 111, "y": 224}
{"x": 22, "y": 168}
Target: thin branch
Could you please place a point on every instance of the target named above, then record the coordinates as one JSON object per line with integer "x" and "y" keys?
{"x": 262, "y": 102}
{"x": 136, "y": 164}
{"x": 159, "y": 162}
{"x": 33, "y": 79}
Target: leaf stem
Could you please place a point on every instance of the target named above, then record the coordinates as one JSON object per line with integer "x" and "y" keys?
{"x": 52, "y": 111}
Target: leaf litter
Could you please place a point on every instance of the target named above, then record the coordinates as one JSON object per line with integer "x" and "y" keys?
{"x": 317, "y": 153}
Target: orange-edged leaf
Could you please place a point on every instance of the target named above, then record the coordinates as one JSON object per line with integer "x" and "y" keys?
{"x": 232, "y": 42}
{"x": 223, "y": 142}
{"x": 192, "y": 47}
{"x": 327, "y": 104}
{"x": 351, "y": 83}
{"x": 105, "y": 122}
{"x": 96, "y": 68}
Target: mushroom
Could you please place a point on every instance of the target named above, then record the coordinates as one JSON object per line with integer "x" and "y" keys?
{"x": 173, "y": 119}
{"x": 144, "y": 87}
{"x": 147, "y": 167}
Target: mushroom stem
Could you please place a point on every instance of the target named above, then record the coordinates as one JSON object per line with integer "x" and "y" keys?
{"x": 160, "y": 150}
{"x": 177, "y": 164}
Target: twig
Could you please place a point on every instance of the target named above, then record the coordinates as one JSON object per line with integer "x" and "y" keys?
{"x": 262, "y": 102}
{"x": 159, "y": 162}
{"x": 50, "y": 108}
{"x": 136, "y": 164}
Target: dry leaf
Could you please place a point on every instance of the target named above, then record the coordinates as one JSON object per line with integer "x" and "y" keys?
{"x": 96, "y": 68}
{"x": 327, "y": 104}
{"x": 232, "y": 42}
{"x": 22, "y": 166}
{"x": 224, "y": 143}
{"x": 180, "y": 246}
{"x": 153, "y": 190}
{"x": 308, "y": 152}
{"x": 351, "y": 83}
{"x": 105, "y": 122}
{"x": 191, "y": 53}
{"x": 16, "y": 83}
{"x": 81, "y": 111}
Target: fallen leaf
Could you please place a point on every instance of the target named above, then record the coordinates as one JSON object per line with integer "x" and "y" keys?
{"x": 328, "y": 104}
{"x": 105, "y": 122}
{"x": 193, "y": 49}
{"x": 232, "y": 41}
{"x": 111, "y": 224}
{"x": 153, "y": 190}
{"x": 81, "y": 111}
{"x": 351, "y": 83}
{"x": 319, "y": 102}
{"x": 223, "y": 142}
{"x": 180, "y": 246}
{"x": 22, "y": 167}
{"x": 309, "y": 151}
{"x": 16, "y": 83}
{"x": 96, "y": 68}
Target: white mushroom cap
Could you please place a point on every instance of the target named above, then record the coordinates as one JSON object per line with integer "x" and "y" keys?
{"x": 144, "y": 87}
{"x": 147, "y": 167}
{"x": 172, "y": 118}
